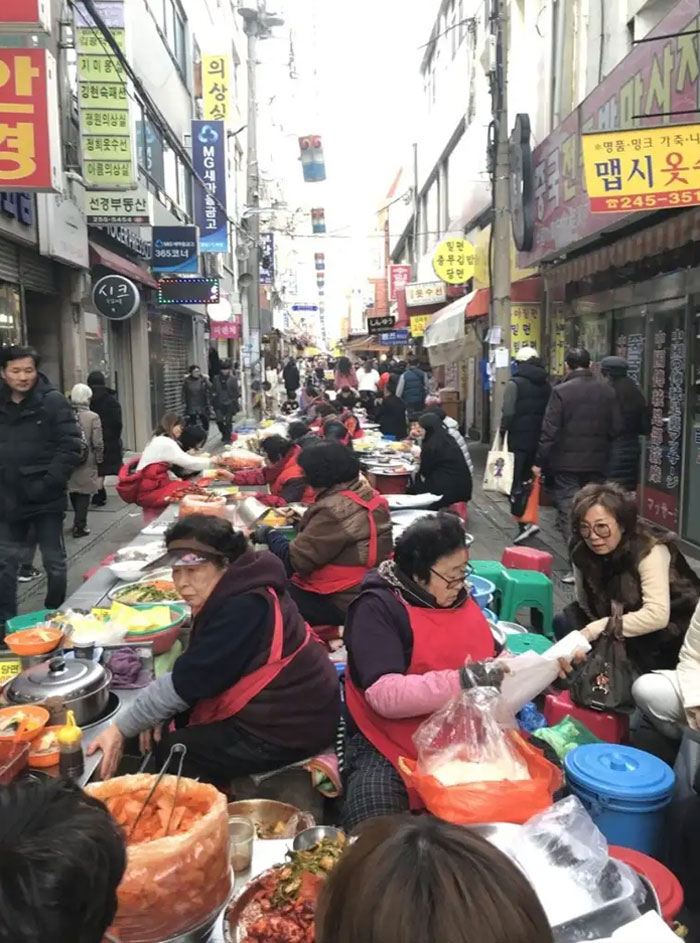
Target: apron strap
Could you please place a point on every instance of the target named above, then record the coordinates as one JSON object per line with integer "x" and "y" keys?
{"x": 377, "y": 501}
{"x": 278, "y": 630}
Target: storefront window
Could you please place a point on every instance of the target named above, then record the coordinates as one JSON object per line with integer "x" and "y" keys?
{"x": 10, "y": 315}
{"x": 97, "y": 343}
{"x": 691, "y": 529}
{"x": 629, "y": 341}
{"x": 593, "y": 331}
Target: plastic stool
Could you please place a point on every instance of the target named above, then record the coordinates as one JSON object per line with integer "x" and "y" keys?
{"x": 611, "y": 728}
{"x": 521, "y": 642}
{"x": 460, "y": 509}
{"x": 527, "y": 558}
{"x": 665, "y": 883}
{"x": 494, "y": 571}
{"x": 530, "y": 589}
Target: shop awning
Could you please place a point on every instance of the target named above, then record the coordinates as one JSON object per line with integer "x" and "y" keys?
{"x": 447, "y": 325}
{"x": 365, "y": 342}
{"x": 101, "y": 256}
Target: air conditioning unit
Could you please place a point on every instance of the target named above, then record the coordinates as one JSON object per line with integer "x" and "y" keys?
{"x": 487, "y": 54}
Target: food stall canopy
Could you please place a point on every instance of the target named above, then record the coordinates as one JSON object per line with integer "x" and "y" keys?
{"x": 365, "y": 342}
{"x": 445, "y": 337}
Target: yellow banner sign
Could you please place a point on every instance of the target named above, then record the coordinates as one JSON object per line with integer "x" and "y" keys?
{"x": 454, "y": 260}
{"x": 419, "y": 322}
{"x": 645, "y": 169}
{"x": 524, "y": 327}
{"x": 215, "y": 87}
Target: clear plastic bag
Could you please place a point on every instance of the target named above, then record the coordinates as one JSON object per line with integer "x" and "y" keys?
{"x": 173, "y": 884}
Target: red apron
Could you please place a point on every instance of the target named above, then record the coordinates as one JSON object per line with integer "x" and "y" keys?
{"x": 442, "y": 639}
{"x": 230, "y": 702}
{"x": 334, "y": 578}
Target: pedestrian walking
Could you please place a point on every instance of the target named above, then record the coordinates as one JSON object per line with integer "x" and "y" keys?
{"x": 291, "y": 379}
{"x": 226, "y": 400}
{"x": 626, "y": 450}
{"x": 196, "y": 395}
{"x": 84, "y": 481}
{"x": 106, "y": 404}
{"x": 525, "y": 401}
{"x": 413, "y": 386}
{"x": 581, "y": 422}
{"x": 40, "y": 445}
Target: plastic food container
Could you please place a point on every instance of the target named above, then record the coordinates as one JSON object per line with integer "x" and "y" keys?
{"x": 625, "y": 790}
{"x": 165, "y": 637}
{"x": 665, "y": 883}
{"x": 481, "y": 589}
{"x": 197, "y": 504}
{"x": 13, "y": 759}
{"x": 26, "y": 641}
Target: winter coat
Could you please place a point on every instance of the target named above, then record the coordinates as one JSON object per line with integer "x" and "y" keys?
{"x": 345, "y": 379}
{"x": 443, "y": 468}
{"x": 105, "y": 403}
{"x": 336, "y": 530}
{"x": 285, "y": 479}
{"x": 452, "y": 427}
{"x": 626, "y": 450}
{"x": 532, "y": 392}
{"x": 581, "y": 421}
{"x": 392, "y": 417}
{"x": 84, "y": 477}
{"x": 290, "y": 375}
{"x": 196, "y": 394}
{"x": 413, "y": 388}
{"x": 615, "y": 577}
{"x": 225, "y": 392}
{"x": 40, "y": 445}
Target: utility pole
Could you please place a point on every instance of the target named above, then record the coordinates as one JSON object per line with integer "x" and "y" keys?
{"x": 257, "y": 24}
{"x": 502, "y": 233}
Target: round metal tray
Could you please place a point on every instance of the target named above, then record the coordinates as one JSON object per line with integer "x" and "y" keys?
{"x": 235, "y": 930}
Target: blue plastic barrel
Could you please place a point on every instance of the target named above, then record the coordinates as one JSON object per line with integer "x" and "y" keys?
{"x": 481, "y": 589}
{"x": 625, "y": 790}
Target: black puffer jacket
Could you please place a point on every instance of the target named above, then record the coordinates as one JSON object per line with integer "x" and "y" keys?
{"x": 579, "y": 425}
{"x": 105, "y": 403}
{"x": 532, "y": 395}
{"x": 626, "y": 450}
{"x": 40, "y": 445}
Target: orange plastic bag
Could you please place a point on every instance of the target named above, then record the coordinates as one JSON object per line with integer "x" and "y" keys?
{"x": 474, "y": 803}
{"x": 532, "y": 508}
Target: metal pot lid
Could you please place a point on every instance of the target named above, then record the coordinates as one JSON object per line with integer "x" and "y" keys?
{"x": 59, "y": 677}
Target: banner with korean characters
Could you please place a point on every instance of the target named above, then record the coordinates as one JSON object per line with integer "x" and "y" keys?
{"x": 133, "y": 207}
{"x": 525, "y": 327}
{"x": 106, "y": 140}
{"x": 209, "y": 159}
{"x": 30, "y": 131}
{"x": 454, "y": 261}
{"x": 216, "y": 92}
{"x": 425, "y": 293}
{"x": 644, "y": 169}
{"x": 419, "y": 322}
{"x": 175, "y": 249}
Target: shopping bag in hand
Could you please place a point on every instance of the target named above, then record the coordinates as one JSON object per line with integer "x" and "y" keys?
{"x": 603, "y": 682}
{"x": 500, "y": 467}
{"x": 519, "y": 496}
{"x": 531, "y": 514}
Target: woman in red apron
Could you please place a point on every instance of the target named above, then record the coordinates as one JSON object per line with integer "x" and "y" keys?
{"x": 344, "y": 534}
{"x": 253, "y": 691}
{"x": 409, "y": 635}
{"x": 281, "y": 472}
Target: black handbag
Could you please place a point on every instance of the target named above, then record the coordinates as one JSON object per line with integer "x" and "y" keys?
{"x": 603, "y": 682}
{"x": 519, "y": 497}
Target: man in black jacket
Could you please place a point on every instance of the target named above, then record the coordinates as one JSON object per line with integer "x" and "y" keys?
{"x": 226, "y": 400}
{"x": 290, "y": 376}
{"x": 581, "y": 422}
{"x": 40, "y": 445}
{"x": 524, "y": 404}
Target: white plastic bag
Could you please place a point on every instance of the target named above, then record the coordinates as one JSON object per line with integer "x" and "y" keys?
{"x": 500, "y": 467}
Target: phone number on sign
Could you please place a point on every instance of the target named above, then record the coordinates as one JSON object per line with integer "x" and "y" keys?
{"x": 645, "y": 201}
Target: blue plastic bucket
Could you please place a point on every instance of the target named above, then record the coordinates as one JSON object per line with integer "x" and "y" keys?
{"x": 625, "y": 790}
{"x": 481, "y": 589}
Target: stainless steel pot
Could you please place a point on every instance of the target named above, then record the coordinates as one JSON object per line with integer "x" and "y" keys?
{"x": 62, "y": 684}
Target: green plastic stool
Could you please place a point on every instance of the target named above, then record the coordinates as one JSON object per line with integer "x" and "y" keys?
{"x": 518, "y": 644}
{"x": 528, "y": 589}
{"x": 495, "y": 571}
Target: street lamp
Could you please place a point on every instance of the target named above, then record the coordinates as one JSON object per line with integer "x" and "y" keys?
{"x": 257, "y": 24}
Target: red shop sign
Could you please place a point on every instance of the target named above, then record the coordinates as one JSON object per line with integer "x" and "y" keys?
{"x": 23, "y": 13}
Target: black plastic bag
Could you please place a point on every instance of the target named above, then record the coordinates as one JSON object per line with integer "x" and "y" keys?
{"x": 519, "y": 497}
{"x": 603, "y": 682}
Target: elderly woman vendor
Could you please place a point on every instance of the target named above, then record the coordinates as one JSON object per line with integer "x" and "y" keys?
{"x": 253, "y": 691}
{"x": 409, "y": 635}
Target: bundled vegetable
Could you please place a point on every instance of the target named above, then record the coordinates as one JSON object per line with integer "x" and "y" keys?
{"x": 173, "y": 883}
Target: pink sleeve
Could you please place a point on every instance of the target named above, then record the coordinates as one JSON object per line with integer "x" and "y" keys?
{"x": 397, "y": 696}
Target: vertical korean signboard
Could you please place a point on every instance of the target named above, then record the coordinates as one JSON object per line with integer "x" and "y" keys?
{"x": 209, "y": 159}
{"x": 524, "y": 327}
{"x": 399, "y": 277}
{"x": 105, "y": 125}
{"x": 29, "y": 122}
{"x": 216, "y": 92}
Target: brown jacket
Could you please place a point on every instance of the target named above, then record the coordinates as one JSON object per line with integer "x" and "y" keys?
{"x": 336, "y": 530}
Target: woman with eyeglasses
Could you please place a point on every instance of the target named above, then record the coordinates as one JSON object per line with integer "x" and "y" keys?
{"x": 618, "y": 558}
{"x": 409, "y": 635}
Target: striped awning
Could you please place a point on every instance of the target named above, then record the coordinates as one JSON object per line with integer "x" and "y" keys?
{"x": 674, "y": 232}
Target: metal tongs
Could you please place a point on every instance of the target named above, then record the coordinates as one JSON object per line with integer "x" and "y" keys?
{"x": 177, "y": 749}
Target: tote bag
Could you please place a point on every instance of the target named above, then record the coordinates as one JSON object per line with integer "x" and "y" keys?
{"x": 500, "y": 467}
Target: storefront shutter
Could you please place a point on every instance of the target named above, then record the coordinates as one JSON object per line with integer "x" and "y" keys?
{"x": 9, "y": 270}
{"x": 37, "y": 273}
{"x": 176, "y": 340}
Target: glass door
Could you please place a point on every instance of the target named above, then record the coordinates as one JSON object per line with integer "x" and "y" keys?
{"x": 666, "y": 391}
{"x": 691, "y": 518}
